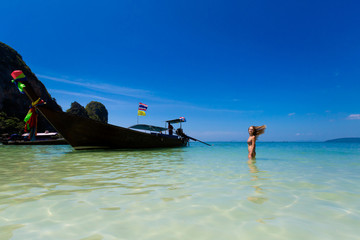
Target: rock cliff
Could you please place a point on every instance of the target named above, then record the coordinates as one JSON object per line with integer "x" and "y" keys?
{"x": 12, "y": 102}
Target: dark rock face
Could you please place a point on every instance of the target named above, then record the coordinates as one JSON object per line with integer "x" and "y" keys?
{"x": 97, "y": 111}
{"x": 77, "y": 109}
{"x": 94, "y": 110}
{"x": 12, "y": 102}
{"x": 10, "y": 125}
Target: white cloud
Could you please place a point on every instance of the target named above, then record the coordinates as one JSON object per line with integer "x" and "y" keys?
{"x": 291, "y": 114}
{"x": 207, "y": 109}
{"x": 84, "y": 95}
{"x": 354, "y": 117}
{"x": 107, "y": 88}
{"x": 130, "y": 92}
{"x": 111, "y": 89}
{"x": 304, "y": 134}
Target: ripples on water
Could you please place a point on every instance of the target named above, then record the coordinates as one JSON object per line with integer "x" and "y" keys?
{"x": 292, "y": 191}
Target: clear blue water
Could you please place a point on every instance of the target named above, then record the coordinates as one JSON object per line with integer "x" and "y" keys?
{"x": 292, "y": 191}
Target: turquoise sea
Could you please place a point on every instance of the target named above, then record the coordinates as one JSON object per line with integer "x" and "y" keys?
{"x": 292, "y": 191}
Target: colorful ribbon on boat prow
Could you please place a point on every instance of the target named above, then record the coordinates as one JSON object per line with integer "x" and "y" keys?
{"x": 38, "y": 102}
{"x": 31, "y": 117}
{"x": 19, "y": 78}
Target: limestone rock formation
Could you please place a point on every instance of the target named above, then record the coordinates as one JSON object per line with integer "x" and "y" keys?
{"x": 12, "y": 102}
{"x": 77, "y": 109}
{"x": 97, "y": 111}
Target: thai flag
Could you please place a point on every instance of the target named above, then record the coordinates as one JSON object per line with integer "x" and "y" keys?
{"x": 142, "y": 107}
{"x": 182, "y": 119}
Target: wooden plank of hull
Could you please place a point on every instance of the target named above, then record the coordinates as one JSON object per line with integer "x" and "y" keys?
{"x": 85, "y": 133}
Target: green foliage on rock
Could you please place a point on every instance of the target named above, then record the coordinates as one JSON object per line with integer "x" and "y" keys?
{"x": 97, "y": 111}
{"x": 94, "y": 110}
{"x": 77, "y": 109}
{"x": 10, "y": 125}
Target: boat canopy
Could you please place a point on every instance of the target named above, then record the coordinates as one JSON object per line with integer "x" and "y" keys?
{"x": 148, "y": 128}
{"x": 178, "y": 120}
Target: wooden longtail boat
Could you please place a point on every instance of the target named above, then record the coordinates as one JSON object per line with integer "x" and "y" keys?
{"x": 86, "y": 133}
{"x": 37, "y": 142}
{"x": 47, "y": 138}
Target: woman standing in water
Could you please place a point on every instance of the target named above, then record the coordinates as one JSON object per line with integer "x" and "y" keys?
{"x": 254, "y": 132}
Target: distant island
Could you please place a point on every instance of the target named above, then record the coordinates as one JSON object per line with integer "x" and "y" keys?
{"x": 344, "y": 140}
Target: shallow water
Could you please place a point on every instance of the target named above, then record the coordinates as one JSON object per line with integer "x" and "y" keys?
{"x": 292, "y": 191}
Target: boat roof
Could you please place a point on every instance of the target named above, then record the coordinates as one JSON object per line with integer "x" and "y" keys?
{"x": 148, "y": 128}
{"x": 178, "y": 120}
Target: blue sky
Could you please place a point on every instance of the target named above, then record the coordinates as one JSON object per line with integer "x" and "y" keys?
{"x": 224, "y": 65}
